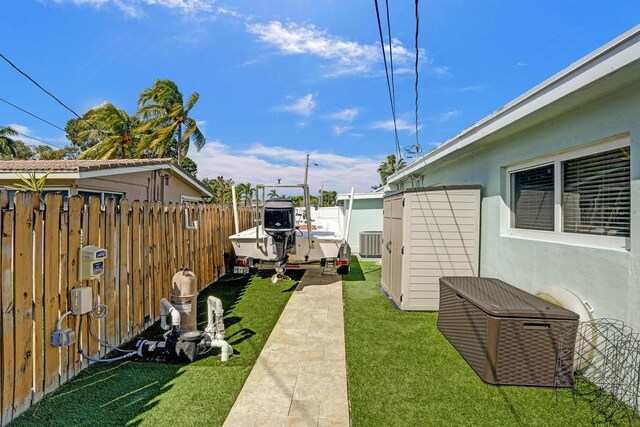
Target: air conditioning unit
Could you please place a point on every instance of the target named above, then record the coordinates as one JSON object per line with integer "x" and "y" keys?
{"x": 370, "y": 244}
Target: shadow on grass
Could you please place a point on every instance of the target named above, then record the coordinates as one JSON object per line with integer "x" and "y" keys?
{"x": 147, "y": 393}
{"x": 355, "y": 271}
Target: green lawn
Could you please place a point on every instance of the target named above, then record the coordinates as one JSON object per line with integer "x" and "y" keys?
{"x": 153, "y": 394}
{"x": 402, "y": 371}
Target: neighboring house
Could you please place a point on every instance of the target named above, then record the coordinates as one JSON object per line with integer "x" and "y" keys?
{"x": 560, "y": 173}
{"x": 365, "y": 216}
{"x": 156, "y": 180}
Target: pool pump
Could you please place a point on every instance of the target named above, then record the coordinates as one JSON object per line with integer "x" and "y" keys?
{"x": 186, "y": 346}
{"x": 182, "y": 341}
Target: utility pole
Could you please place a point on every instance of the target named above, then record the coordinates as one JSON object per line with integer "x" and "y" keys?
{"x": 321, "y": 194}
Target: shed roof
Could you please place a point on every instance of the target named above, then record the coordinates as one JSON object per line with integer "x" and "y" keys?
{"x": 586, "y": 76}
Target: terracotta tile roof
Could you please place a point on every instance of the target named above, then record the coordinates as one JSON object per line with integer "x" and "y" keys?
{"x": 75, "y": 165}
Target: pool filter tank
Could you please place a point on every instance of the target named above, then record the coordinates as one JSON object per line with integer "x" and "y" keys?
{"x": 184, "y": 298}
{"x": 279, "y": 223}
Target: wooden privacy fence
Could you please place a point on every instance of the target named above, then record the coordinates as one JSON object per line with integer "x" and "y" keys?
{"x": 146, "y": 243}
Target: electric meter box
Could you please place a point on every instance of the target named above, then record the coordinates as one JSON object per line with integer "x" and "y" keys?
{"x": 91, "y": 262}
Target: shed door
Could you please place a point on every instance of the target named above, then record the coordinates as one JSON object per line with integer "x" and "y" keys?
{"x": 392, "y": 247}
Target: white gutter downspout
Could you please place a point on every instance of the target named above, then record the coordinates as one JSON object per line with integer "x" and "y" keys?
{"x": 167, "y": 309}
{"x": 236, "y": 220}
{"x": 348, "y": 226}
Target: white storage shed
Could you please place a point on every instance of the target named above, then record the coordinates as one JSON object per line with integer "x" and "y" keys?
{"x": 428, "y": 233}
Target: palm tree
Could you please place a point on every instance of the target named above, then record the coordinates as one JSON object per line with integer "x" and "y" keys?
{"x": 389, "y": 167}
{"x": 273, "y": 194}
{"x": 7, "y": 142}
{"x": 115, "y": 133}
{"x": 167, "y": 122}
{"x": 245, "y": 193}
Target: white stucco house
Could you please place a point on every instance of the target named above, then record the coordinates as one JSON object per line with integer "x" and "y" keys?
{"x": 559, "y": 168}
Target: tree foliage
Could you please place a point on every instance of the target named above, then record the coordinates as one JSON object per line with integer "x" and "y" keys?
{"x": 8, "y": 141}
{"x": 166, "y": 120}
{"x": 245, "y": 192}
{"x": 109, "y": 132}
{"x": 221, "y": 189}
{"x": 162, "y": 127}
{"x": 390, "y": 166}
{"x": 12, "y": 148}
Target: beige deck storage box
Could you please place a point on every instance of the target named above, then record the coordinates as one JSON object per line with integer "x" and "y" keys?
{"x": 428, "y": 233}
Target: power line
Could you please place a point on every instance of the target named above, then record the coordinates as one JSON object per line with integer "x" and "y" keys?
{"x": 418, "y": 148}
{"x": 31, "y": 114}
{"x": 34, "y": 138}
{"x": 393, "y": 83}
{"x": 47, "y": 92}
{"x": 386, "y": 70}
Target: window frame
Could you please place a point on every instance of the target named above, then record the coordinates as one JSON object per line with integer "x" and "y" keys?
{"x": 557, "y": 235}
{"x": 98, "y": 192}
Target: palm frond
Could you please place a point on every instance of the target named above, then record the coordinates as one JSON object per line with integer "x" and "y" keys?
{"x": 193, "y": 98}
{"x": 194, "y": 132}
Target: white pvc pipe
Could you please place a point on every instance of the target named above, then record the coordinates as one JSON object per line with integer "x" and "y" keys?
{"x": 225, "y": 349}
{"x": 167, "y": 309}
{"x": 236, "y": 220}
{"x": 348, "y": 226}
{"x": 215, "y": 327}
{"x": 215, "y": 320}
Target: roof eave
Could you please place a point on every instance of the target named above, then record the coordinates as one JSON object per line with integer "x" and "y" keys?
{"x": 604, "y": 61}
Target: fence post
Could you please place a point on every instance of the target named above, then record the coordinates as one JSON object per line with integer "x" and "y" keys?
{"x": 53, "y": 204}
{"x": 23, "y": 304}
{"x": 8, "y": 320}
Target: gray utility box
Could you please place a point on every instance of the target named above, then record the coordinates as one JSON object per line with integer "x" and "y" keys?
{"x": 508, "y": 336}
{"x": 370, "y": 244}
{"x": 428, "y": 233}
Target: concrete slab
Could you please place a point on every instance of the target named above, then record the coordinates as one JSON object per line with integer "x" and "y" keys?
{"x": 300, "y": 378}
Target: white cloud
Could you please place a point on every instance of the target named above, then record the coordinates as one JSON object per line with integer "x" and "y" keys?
{"x": 401, "y": 124}
{"x": 346, "y": 115}
{"x": 128, "y": 9}
{"x": 339, "y": 130}
{"x": 521, "y": 64}
{"x": 448, "y": 115}
{"x": 223, "y": 10}
{"x": 302, "y": 106}
{"x": 34, "y": 139}
{"x": 133, "y": 8}
{"x": 441, "y": 71}
{"x": 19, "y": 128}
{"x": 473, "y": 88}
{"x": 345, "y": 57}
{"x": 263, "y": 165}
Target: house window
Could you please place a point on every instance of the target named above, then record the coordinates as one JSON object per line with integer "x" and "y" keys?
{"x": 533, "y": 198}
{"x": 596, "y": 194}
{"x": 582, "y": 196}
{"x": 86, "y": 194}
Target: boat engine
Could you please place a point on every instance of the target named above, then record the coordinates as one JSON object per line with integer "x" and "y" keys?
{"x": 279, "y": 224}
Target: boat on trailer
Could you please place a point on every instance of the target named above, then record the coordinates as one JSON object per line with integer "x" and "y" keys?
{"x": 286, "y": 237}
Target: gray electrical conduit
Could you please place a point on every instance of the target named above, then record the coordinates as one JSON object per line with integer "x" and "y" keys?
{"x": 93, "y": 359}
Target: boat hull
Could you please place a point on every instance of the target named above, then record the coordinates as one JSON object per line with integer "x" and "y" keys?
{"x": 321, "y": 247}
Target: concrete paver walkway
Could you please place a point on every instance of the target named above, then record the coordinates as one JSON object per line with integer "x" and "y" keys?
{"x": 300, "y": 377}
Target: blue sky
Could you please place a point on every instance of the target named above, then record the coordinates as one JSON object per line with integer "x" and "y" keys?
{"x": 278, "y": 79}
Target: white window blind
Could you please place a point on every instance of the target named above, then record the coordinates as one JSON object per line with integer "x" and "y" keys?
{"x": 596, "y": 194}
{"x": 533, "y": 198}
